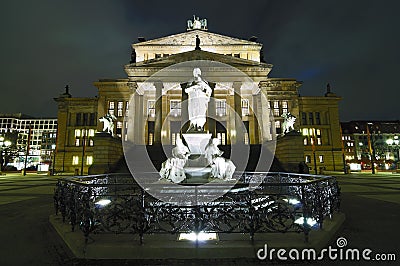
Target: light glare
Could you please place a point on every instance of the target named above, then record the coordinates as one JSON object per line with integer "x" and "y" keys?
{"x": 103, "y": 202}
{"x": 202, "y": 236}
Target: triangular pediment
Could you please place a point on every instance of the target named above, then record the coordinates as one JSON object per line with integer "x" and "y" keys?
{"x": 189, "y": 39}
{"x": 198, "y": 55}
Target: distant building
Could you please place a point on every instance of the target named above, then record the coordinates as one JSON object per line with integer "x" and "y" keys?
{"x": 362, "y": 139}
{"x": 77, "y": 118}
{"x": 317, "y": 116}
{"x": 43, "y": 134}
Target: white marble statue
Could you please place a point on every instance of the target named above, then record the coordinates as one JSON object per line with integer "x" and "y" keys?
{"x": 180, "y": 151}
{"x": 199, "y": 95}
{"x": 108, "y": 123}
{"x": 223, "y": 168}
{"x": 173, "y": 168}
{"x": 220, "y": 167}
{"x": 212, "y": 151}
{"x": 288, "y": 123}
{"x": 197, "y": 23}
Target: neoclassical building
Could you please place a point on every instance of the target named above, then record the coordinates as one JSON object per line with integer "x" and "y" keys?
{"x": 157, "y": 112}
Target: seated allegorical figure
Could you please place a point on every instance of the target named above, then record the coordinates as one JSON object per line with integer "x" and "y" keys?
{"x": 212, "y": 151}
{"x": 172, "y": 168}
{"x": 220, "y": 167}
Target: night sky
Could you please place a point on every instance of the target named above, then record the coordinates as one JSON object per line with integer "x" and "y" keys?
{"x": 354, "y": 45}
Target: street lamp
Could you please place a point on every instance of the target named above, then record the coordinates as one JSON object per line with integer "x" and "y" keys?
{"x": 53, "y": 147}
{"x": 371, "y": 148}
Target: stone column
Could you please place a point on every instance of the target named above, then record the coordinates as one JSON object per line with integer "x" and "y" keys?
{"x": 264, "y": 113}
{"x": 138, "y": 117}
{"x": 255, "y": 119}
{"x": 237, "y": 100}
{"x": 212, "y": 112}
{"x": 184, "y": 109}
{"x": 158, "y": 118}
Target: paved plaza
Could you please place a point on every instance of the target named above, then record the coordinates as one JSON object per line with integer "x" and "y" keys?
{"x": 371, "y": 205}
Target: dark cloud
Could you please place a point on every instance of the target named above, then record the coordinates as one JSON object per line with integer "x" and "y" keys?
{"x": 351, "y": 44}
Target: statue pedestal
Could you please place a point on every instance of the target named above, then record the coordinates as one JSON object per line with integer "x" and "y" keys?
{"x": 107, "y": 153}
{"x": 196, "y": 168}
{"x": 290, "y": 151}
{"x": 197, "y": 142}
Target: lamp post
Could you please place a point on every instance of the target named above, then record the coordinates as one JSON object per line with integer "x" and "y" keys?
{"x": 313, "y": 150}
{"x": 28, "y": 144}
{"x": 53, "y": 147}
{"x": 371, "y": 148}
{"x": 84, "y": 131}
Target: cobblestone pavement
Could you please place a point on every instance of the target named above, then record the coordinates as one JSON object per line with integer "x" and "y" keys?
{"x": 371, "y": 204}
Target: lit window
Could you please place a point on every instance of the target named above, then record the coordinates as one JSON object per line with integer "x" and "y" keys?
{"x": 91, "y": 143}
{"x": 221, "y": 136}
{"x": 321, "y": 158}
{"x": 119, "y": 124}
{"x": 151, "y": 138}
{"x": 245, "y": 107}
{"x": 305, "y": 141}
{"x": 246, "y": 138}
{"x": 77, "y": 142}
{"x": 284, "y": 107}
{"x": 276, "y": 104}
{"x": 318, "y": 132}
{"x": 111, "y": 107}
{"x": 77, "y": 132}
{"x": 220, "y": 107}
{"x": 319, "y": 141}
{"x": 305, "y": 131}
{"x": 120, "y": 108}
{"x": 75, "y": 160}
{"x": 91, "y": 132}
{"x": 126, "y": 108}
{"x": 89, "y": 160}
{"x": 174, "y": 136}
{"x": 308, "y": 158}
{"x": 151, "y": 108}
{"x": 276, "y": 112}
{"x": 277, "y": 124}
{"x": 175, "y": 107}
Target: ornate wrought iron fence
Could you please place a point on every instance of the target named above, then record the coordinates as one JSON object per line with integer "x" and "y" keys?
{"x": 115, "y": 203}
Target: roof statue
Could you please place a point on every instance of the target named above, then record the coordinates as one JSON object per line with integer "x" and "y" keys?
{"x": 197, "y": 24}
{"x": 197, "y": 43}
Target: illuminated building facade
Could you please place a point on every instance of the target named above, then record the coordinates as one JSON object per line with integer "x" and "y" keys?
{"x": 43, "y": 132}
{"x": 321, "y": 116}
{"x": 362, "y": 139}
